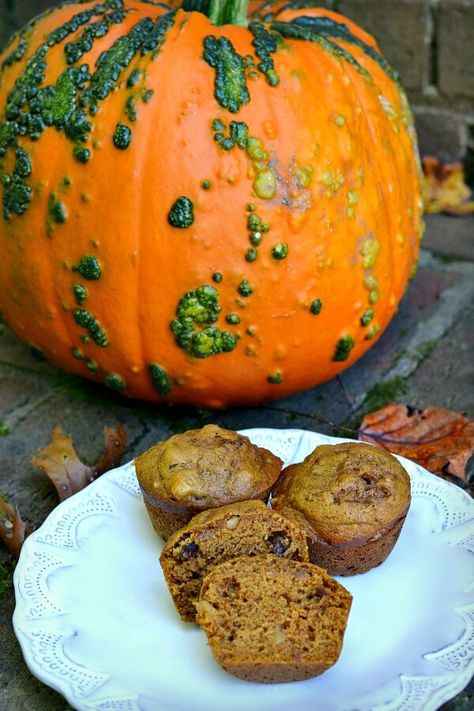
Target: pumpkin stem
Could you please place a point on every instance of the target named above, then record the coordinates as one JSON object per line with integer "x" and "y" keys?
{"x": 228, "y": 12}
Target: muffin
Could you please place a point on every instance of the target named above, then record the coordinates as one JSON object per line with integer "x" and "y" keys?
{"x": 201, "y": 469}
{"x": 244, "y": 528}
{"x": 272, "y": 619}
{"x": 351, "y": 499}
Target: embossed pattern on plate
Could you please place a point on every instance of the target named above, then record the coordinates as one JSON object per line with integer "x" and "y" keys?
{"x": 95, "y": 620}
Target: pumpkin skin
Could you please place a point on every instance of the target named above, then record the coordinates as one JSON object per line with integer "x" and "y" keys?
{"x": 108, "y": 270}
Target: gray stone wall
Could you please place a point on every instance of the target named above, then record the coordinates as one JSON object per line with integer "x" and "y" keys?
{"x": 431, "y": 43}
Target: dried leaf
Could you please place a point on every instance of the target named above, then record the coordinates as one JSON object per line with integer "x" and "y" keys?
{"x": 444, "y": 189}
{"x": 68, "y": 473}
{"x": 13, "y": 530}
{"x": 115, "y": 443}
{"x": 60, "y": 462}
{"x": 440, "y": 440}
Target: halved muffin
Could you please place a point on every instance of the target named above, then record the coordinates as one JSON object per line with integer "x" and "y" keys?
{"x": 211, "y": 537}
{"x": 272, "y": 619}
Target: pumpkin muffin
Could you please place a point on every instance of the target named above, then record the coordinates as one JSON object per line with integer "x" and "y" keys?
{"x": 272, "y": 619}
{"x": 211, "y": 537}
{"x": 201, "y": 469}
{"x": 351, "y": 499}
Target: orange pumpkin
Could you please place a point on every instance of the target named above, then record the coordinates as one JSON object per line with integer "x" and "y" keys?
{"x": 203, "y": 213}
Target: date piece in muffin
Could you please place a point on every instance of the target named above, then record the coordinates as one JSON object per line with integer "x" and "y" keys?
{"x": 201, "y": 469}
{"x": 351, "y": 499}
{"x": 272, "y": 619}
{"x": 211, "y": 537}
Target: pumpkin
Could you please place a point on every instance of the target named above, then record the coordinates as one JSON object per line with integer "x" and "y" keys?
{"x": 198, "y": 209}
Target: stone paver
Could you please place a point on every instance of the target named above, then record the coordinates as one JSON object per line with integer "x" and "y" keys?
{"x": 451, "y": 362}
{"x": 424, "y": 357}
{"x": 451, "y": 237}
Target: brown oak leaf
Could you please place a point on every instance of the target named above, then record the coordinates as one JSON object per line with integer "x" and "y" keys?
{"x": 115, "y": 443}
{"x": 13, "y": 530}
{"x": 444, "y": 189}
{"x": 59, "y": 460}
{"x": 440, "y": 440}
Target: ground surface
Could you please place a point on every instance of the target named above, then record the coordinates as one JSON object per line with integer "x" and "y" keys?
{"x": 425, "y": 357}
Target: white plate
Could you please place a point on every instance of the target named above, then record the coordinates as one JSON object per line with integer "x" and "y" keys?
{"x": 95, "y": 620}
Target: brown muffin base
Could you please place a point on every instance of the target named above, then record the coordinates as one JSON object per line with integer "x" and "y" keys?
{"x": 168, "y": 516}
{"x": 338, "y": 560}
{"x": 275, "y": 673}
{"x": 165, "y": 522}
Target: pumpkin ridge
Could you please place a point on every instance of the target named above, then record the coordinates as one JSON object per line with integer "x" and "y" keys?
{"x": 143, "y": 356}
{"x": 341, "y": 347}
{"x": 16, "y": 55}
{"x": 265, "y": 44}
{"x": 75, "y": 50}
{"x": 289, "y": 30}
{"x": 350, "y": 340}
{"x": 392, "y": 228}
{"x": 327, "y": 27}
{"x": 26, "y": 30}
{"x": 72, "y": 96}
{"x": 258, "y": 12}
{"x": 135, "y": 349}
{"x": 151, "y": 360}
{"x": 112, "y": 63}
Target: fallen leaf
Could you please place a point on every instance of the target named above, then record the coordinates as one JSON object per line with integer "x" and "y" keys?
{"x": 13, "y": 530}
{"x": 115, "y": 443}
{"x": 444, "y": 189}
{"x": 440, "y": 440}
{"x": 60, "y": 462}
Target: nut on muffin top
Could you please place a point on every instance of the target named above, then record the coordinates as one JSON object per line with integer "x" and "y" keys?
{"x": 346, "y": 493}
{"x": 207, "y": 467}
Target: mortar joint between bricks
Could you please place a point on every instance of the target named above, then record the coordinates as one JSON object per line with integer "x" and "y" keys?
{"x": 432, "y": 29}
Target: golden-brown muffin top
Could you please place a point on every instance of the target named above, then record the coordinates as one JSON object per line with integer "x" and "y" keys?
{"x": 344, "y": 493}
{"x": 207, "y": 467}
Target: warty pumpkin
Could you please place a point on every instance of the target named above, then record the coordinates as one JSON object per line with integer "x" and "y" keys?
{"x": 203, "y": 209}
